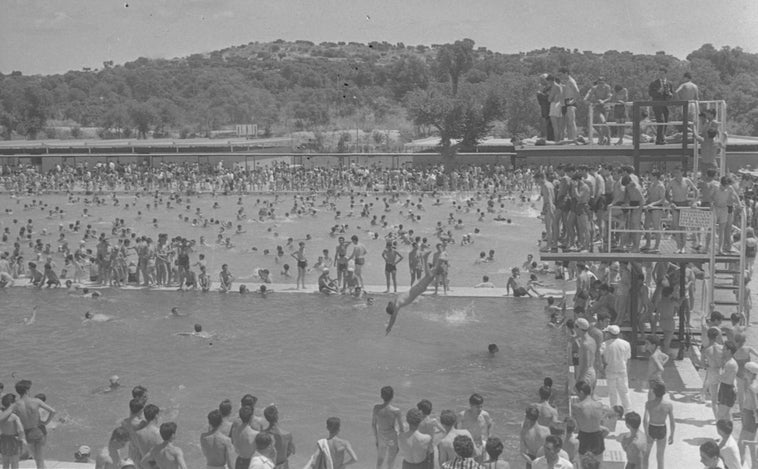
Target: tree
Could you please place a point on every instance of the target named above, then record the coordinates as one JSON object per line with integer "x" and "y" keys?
{"x": 467, "y": 117}
{"x": 142, "y": 116}
{"x": 455, "y": 60}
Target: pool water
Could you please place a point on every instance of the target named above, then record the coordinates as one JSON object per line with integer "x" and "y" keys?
{"x": 314, "y": 358}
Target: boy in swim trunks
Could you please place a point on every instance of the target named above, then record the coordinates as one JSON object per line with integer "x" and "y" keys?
{"x": 226, "y": 278}
{"x": 514, "y": 285}
{"x": 657, "y": 410}
{"x": 386, "y": 419}
{"x": 12, "y": 436}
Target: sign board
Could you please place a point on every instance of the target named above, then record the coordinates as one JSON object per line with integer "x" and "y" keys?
{"x": 694, "y": 218}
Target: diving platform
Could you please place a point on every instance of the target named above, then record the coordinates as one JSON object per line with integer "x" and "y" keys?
{"x": 634, "y": 257}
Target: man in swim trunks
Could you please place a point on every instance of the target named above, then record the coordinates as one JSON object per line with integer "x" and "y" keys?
{"x": 27, "y": 408}
{"x": 682, "y": 193}
{"x": 727, "y": 394}
{"x": 283, "y": 443}
{"x": 657, "y": 410}
{"x": 391, "y": 259}
{"x": 587, "y": 353}
{"x": 588, "y": 413}
{"x": 386, "y": 420}
{"x": 216, "y": 447}
{"x": 340, "y": 261}
{"x": 359, "y": 256}
{"x": 532, "y": 435}
{"x": 514, "y": 285}
{"x": 477, "y": 421}
{"x": 149, "y": 436}
{"x": 415, "y": 446}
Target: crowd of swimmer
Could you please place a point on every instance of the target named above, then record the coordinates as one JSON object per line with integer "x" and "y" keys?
{"x": 192, "y": 177}
{"x": 124, "y": 256}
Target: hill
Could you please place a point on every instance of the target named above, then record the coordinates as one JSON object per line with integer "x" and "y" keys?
{"x": 286, "y": 86}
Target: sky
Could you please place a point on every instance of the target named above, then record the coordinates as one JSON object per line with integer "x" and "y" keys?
{"x": 54, "y": 36}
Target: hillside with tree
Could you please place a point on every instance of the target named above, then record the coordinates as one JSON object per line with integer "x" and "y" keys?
{"x": 458, "y": 90}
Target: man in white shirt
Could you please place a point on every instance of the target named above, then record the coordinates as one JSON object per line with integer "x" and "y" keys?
{"x": 728, "y": 449}
{"x": 263, "y": 458}
{"x": 616, "y": 354}
{"x": 551, "y": 459}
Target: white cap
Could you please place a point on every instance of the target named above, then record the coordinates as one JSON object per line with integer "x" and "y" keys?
{"x": 613, "y": 329}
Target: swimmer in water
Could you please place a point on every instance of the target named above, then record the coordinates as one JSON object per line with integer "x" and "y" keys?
{"x": 404, "y": 299}
{"x": 175, "y": 312}
{"x": 30, "y": 320}
{"x": 198, "y": 332}
{"x": 492, "y": 349}
{"x": 263, "y": 291}
{"x": 97, "y": 317}
{"x": 113, "y": 384}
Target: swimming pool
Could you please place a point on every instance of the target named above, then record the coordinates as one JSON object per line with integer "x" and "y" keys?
{"x": 313, "y": 356}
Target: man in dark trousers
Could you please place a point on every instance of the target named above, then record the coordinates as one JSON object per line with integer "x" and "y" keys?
{"x": 543, "y": 98}
{"x": 661, "y": 90}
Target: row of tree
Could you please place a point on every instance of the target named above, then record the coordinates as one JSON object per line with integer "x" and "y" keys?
{"x": 453, "y": 89}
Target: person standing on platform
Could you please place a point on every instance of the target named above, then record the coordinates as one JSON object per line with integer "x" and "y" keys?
{"x": 556, "y": 107}
{"x": 655, "y": 198}
{"x": 727, "y": 395}
{"x": 588, "y": 413}
{"x": 683, "y": 193}
{"x": 657, "y": 411}
{"x": 543, "y": 98}
{"x": 547, "y": 192}
{"x": 587, "y": 350}
{"x": 688, "y": 91}
{"x": 619, "y": 98}
{"x": 570, "y": 97}
{"x": 661, "y": 90}
{"x": 616, "y": 355}
{"x": 598, "y": 97}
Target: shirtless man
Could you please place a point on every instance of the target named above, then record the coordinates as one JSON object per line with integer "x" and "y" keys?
{"x": 109, "y": 457}
{"x": 302, "y": 263}
{"x": 725, "y": 202}
{"x": 588, "y": 413}
{"x": 12, "y": 437}
{"x": 243, "y": 437}
{"x": 337, "y": 448}
{"x": 27, "y": 408}
{"x": 598, "y": 97}
{"x": 149, "y": 436}
{"x": 655, "y": 198}
{"x": 477, "y": 421}
{"x": 386, "y": 422}
{"x": 359, "y": 257}
{"x": 711, "y": 360}
{"x": 404, "y": 299}
{"x": 688, "y": 91}
{"x": 532, "y": 435}
{"x": 548, "y": 414}
{"x": 391, "y": 259}
{"x": 132, "y": 424}
{"x": 682, "y": 193}
{"x": 283, "y": 443}
{"x": 445, "y": 450}
{"x": 657, "y": 410}
{"x": 587, "y": 353}
{"x": 340, "y": 261}
{"x": 727, "y": 394}
{"x": 216, "y": 447}
{"x": 415, "y": 446}
{"x": 547, "y": 193}
{"x": 166, "y": 455}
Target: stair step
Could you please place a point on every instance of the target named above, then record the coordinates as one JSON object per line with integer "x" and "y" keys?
{"x": 727, "y": 271}
{"x": 725, "y": 287}
{"x": 726, "y": 303}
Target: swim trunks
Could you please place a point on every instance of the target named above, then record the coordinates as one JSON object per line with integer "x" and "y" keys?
{"x": 591, "y": 442}
{"x": 519, "y": 291}
{"x": 656, "y": 432}
{"x": 727, "y": 395}
{"x": 390, "y": 268}
{"x": 10, "y": 445}
{"x": 359, "y": 261}
{"x": 302, "y": 264}
{"x": 34, "y": 435}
